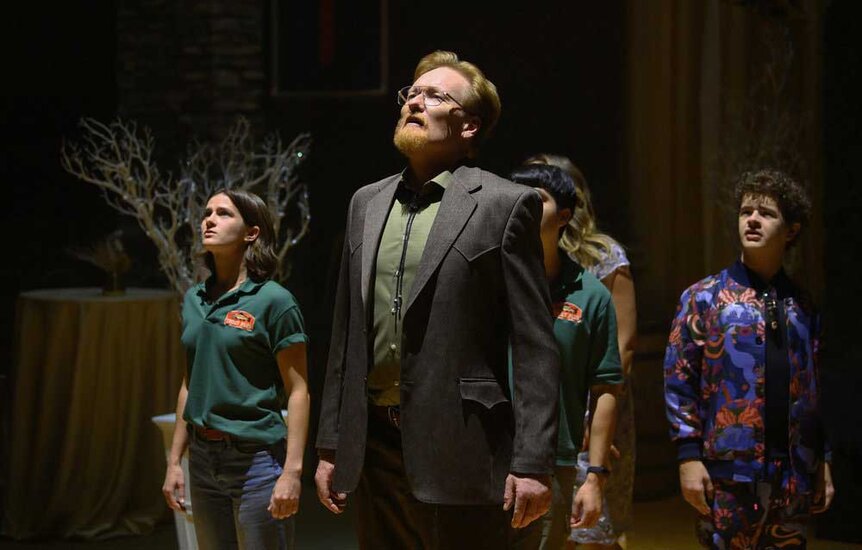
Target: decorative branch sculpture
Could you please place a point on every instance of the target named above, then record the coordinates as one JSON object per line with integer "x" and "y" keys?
{"x": 118, "y": 159}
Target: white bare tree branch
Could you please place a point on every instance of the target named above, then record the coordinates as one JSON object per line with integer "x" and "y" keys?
{"x": 118, "y": 159}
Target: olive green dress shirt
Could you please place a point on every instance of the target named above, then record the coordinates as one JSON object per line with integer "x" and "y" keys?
{"x": 398, "y": 256}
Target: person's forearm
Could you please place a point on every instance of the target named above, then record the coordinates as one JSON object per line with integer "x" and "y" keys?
{"x": 602, "y": 426}
{"x": 181, "y": 436}
{"x": 298, "y": 406}
{"x": 622, "y": 289}
{"x": 294, "y": 377}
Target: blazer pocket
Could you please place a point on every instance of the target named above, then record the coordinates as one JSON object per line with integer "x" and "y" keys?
{"x": 485, "y": 391}
{"x": 472, "y": 251}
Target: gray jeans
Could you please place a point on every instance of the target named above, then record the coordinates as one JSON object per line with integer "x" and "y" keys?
{"x": 231, "y": 485}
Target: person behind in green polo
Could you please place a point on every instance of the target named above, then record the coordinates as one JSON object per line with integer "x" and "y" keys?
{"x": 246, "y": 350}
{"x": 586, "y": 331}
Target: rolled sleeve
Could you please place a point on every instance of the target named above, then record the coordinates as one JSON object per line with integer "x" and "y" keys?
{"x": 288, "y": 329}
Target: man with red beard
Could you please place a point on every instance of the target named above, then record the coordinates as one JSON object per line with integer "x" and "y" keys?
{"x": 741, "y": 384}
{"x": 441, "y": 270}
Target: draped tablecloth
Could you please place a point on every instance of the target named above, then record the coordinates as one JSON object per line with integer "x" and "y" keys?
{"x": 90, "y": 371}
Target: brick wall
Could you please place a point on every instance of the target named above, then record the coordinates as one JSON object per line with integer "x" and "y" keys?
{"x": 188, "y": 68}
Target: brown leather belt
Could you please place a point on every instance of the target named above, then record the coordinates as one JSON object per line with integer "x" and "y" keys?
{"x": 241, "y": 445}
{"x": 389, "y": 414}
{"x": 211, "y": 434}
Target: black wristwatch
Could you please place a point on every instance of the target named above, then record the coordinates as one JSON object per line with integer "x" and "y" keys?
{"x": 598, "y": 470}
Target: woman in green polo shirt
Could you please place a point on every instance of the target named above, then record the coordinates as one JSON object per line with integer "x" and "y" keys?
{"x": 246, "y": 350}
{"x": 586, "y": 333}
{"x": 604, "y": 257}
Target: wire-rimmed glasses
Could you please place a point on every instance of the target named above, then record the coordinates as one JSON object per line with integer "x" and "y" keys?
{"x": 431, "y": 96}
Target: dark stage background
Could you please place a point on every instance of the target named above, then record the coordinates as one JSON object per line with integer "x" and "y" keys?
{"x": 562, "y": 69}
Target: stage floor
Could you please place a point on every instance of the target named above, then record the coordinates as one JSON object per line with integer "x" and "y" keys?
{"x": 659, "y": 525}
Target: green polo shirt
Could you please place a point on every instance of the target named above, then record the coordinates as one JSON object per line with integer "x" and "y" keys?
{"x": 396, "y": 269}
{"x": 233, "y": 378}
{"x": 585, "y": 327}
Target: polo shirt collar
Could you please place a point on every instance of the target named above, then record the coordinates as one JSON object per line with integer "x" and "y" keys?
{"x": 248, "y": 286}
{"x": 569, "y": 279}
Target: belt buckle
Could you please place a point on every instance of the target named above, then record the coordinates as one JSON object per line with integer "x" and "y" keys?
{"x": 394, "y": 415}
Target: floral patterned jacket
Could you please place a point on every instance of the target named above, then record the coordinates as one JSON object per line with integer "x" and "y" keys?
{"x": 714, "y": 372}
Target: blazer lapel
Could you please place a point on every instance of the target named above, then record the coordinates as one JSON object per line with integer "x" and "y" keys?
{"x": 375, "y": 219}
{"x": 455, "y": 209}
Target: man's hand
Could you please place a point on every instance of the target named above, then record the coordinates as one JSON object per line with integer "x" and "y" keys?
{"x": 284, "y": 501}
{"x": 174, "y": 488}
{"x": 696, "y": 485}
{"x": 531, "y": 496}
{"x": 824, "y": 491}
{"x": 587, "y": 504}
{"x": 334, "y": 502}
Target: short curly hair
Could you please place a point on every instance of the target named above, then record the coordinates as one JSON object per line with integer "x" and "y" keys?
{"x": 792, "y": 197}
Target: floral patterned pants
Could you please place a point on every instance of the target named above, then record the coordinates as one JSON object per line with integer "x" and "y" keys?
{"x": 759, "y": 515}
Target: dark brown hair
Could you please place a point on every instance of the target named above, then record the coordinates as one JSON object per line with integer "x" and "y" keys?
{"x": 260, "y": 257}
{"x": 791, "y": 196}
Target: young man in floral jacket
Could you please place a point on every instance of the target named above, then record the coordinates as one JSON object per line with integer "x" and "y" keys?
{"x": 741, "y": 384}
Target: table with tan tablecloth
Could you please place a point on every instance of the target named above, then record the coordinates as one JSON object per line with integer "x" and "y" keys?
{"x": 89, "y": 372}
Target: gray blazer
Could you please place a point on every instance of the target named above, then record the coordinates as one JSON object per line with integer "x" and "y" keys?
{"x": 479, "y": 286}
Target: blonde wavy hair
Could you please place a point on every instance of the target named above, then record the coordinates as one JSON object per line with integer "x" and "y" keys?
{"x": 581, "y": 238}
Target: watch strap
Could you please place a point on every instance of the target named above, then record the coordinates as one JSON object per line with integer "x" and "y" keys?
{"x": 598, "y": 470}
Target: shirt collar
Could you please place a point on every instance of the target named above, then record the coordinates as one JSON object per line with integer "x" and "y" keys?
{"x": 569, "y": 279}
{"x": 443, "y": 179}
{"x": 432, "y": 190}
{"x": 746, "y": 277}
{"x": 248, "y": 286}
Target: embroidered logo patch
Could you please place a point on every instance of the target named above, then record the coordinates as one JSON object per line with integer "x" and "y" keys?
{"x": 568, "y": 312}
{"x": 239, "y": 319}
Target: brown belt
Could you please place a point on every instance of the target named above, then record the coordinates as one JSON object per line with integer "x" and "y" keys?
{"x": 389, "y": 414}
{"x": 211, "y": 435}
{"x": 243, "y": 446}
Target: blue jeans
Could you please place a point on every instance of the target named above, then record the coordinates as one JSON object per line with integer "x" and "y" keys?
{"x": 231, "y": 485}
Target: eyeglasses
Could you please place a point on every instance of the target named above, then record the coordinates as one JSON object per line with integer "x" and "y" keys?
{"x": 431, "y": 96}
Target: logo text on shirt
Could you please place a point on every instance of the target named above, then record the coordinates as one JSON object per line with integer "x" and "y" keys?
{"x": 239, "y": 319}
{"x": 568, "y": 311}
